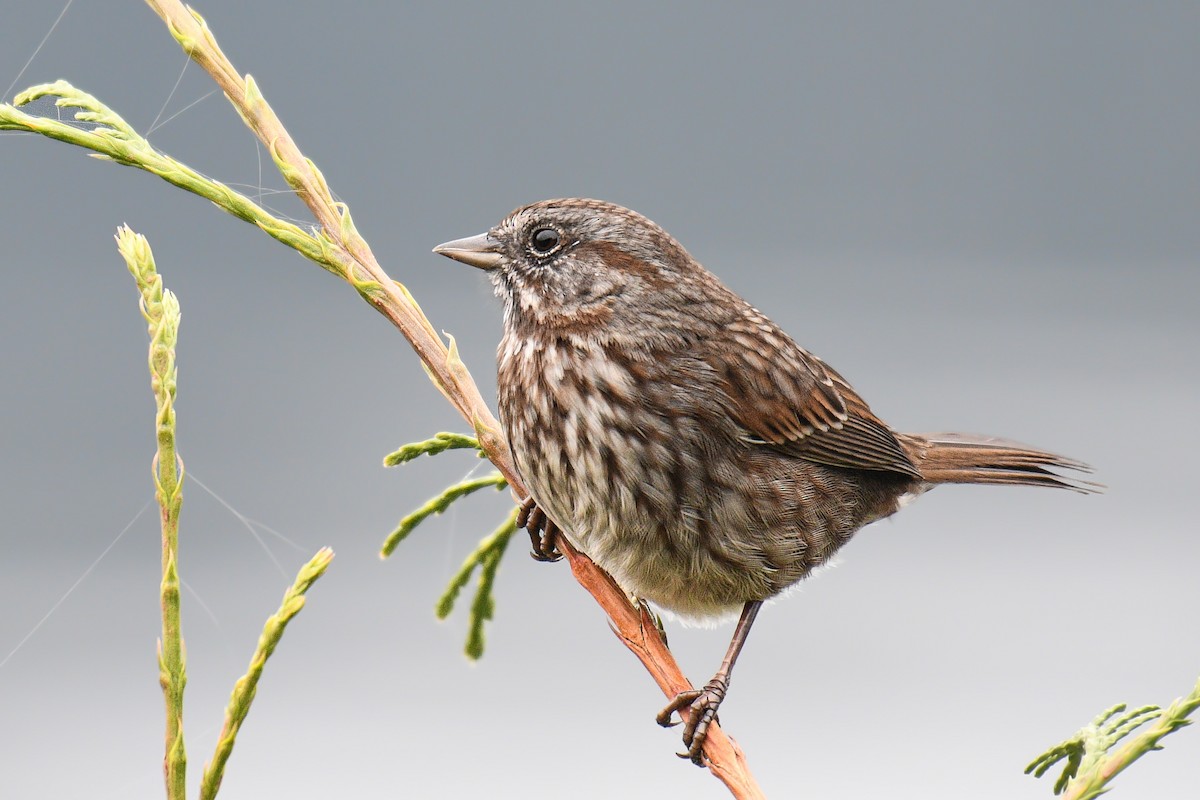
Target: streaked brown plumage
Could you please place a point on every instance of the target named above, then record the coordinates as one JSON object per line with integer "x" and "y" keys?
{"x": 679, "y": 437}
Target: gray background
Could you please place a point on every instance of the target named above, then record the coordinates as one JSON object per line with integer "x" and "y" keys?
{"x": 983, "y": 214}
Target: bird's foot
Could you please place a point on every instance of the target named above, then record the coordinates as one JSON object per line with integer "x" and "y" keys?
{"x": 543, "y": 533}
{"x": 697, "y": 709}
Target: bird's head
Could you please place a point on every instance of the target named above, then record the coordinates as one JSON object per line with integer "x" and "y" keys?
{"x": 576, "y": 263}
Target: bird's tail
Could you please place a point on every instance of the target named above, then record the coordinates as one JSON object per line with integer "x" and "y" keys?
{"x": 967, "y": 458}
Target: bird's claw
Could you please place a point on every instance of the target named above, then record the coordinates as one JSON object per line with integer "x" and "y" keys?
{"x": 697, "y": 710}
{"x": 681, "y": 701}
{"x": 543, "y": 533}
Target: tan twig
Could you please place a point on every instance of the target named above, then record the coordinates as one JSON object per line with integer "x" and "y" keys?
{"x": 442, "y": 363}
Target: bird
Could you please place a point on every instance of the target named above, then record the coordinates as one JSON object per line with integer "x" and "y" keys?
{"x": 680, "y": 438}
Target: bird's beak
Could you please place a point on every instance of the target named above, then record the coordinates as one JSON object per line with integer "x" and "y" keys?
{"x": 480, "y": 251}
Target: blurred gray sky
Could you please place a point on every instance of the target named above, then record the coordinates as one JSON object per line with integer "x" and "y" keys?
{"x": 983, "y": 214}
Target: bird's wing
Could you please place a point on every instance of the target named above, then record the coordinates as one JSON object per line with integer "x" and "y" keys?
{"x": 788, "y": 398}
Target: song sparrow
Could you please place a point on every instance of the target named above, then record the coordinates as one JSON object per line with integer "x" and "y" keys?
{"x": 679, "y": 437}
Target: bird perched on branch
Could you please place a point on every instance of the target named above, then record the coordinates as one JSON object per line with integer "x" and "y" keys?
{"x": 680, "y": 438}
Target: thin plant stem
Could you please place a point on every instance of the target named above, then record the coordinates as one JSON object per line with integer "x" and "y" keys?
{"x": 161, "y": 310}
{"x": 440, "y": 443}
{"x": 247, "y": 685}
{"x": 436, "y": 506}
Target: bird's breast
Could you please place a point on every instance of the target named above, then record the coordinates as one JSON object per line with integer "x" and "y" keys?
{"x": 581, "y": 429}
{"x": 645, "y": 478}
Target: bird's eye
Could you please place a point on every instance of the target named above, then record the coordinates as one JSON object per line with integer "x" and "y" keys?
{"x": 544, "y": 240}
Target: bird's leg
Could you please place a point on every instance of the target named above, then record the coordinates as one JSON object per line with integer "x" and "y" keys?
{"x": 702, "y": 704}
{"x": 649, "y": 618}
{"x": 543, "y": 533}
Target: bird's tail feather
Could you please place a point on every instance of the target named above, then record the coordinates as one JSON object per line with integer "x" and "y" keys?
{"x": 968, "y": 458}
